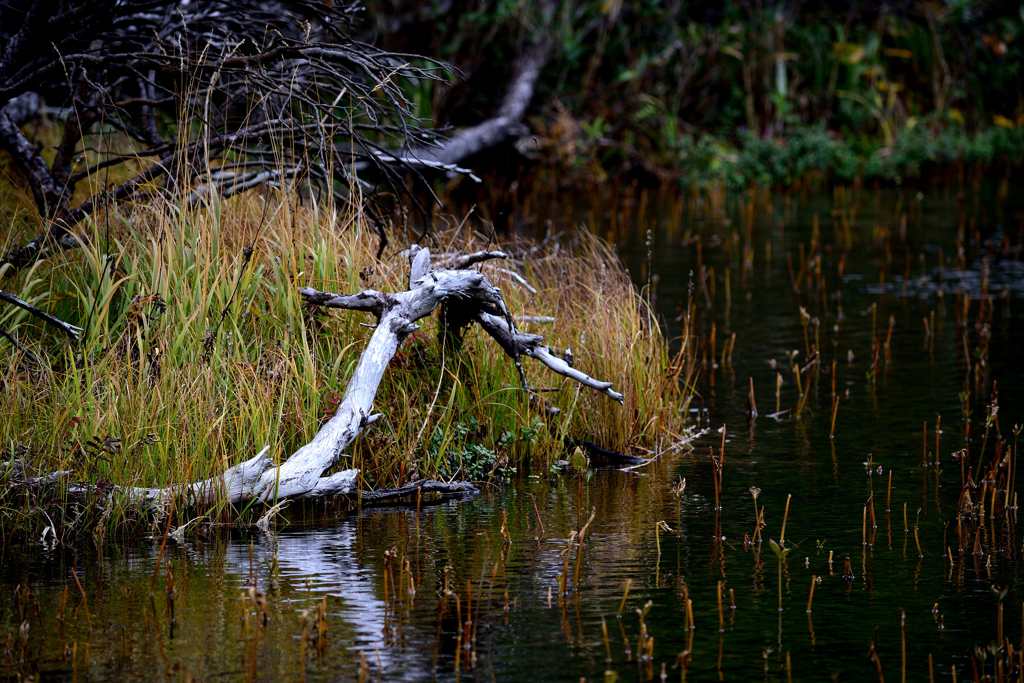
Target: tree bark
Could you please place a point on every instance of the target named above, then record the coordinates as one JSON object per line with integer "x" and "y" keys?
{"x": 31, "y": 163}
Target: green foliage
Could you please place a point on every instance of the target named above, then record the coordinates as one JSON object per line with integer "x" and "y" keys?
{"x": 753, "y": 92}
{"x": 462, "y": 451}
{"x": 810, "y": 151}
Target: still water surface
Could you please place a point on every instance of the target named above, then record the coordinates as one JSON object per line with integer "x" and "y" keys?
{"x": 377, "y": 629}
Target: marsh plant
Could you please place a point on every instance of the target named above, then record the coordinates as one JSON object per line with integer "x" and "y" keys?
{"x": 197, "y": 351}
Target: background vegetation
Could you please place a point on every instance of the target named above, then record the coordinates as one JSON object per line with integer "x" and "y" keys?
{"x": 741, "y": 91}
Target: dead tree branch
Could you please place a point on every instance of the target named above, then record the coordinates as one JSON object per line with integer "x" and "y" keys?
{"x": 302, "y": 474}
{"x": 507, "y": 120}
{"x": 70, "y": 330}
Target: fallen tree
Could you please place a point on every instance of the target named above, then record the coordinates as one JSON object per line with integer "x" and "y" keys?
{"x": 507, "y": 120}
{"x": 467, "y": 295}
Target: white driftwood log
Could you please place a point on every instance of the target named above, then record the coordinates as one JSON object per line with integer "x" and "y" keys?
{"x": 532, "y": 345}
{"x": 301, "y": 475}
{"x": 234, "y": 486}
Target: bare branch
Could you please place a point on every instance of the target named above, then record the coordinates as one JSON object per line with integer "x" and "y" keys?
{"x": 468, "y": 260}
{"x": 532, "y": 345}
{"x": 295, "y": 99}
{"x": 14, "y": 342}
{"x": 68, "y": 329}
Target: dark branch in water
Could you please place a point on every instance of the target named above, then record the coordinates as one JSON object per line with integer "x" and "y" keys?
{"x": 458, "y": 488}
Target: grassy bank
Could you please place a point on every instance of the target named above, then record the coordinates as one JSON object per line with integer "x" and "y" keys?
{"x": 192, "y": 361}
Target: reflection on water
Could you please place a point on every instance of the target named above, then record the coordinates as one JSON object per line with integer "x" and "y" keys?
{"x": 439, "y": 594}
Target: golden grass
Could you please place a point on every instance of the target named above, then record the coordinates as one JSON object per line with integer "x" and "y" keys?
{"x": 152, "y": 396}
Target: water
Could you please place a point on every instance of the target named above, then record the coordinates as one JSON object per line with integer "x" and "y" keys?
{"x": 398, "y": 635}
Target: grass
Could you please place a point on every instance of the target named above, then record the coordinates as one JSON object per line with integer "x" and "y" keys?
{"x": 192, "y": 361}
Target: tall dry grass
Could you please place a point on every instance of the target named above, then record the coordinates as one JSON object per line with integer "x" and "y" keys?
{"x": 193, "y": 359}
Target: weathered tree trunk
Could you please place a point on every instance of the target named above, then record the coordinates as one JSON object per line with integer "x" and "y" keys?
{"x": 473, "y": 140}
{"x": 301, "y": 475}
{"x": 507, "y": 120}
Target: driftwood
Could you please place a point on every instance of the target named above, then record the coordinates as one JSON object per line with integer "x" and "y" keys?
{"x": 464, "y": 290}
{"x": 396, "y": 314}
{"x": 508, "y": 119}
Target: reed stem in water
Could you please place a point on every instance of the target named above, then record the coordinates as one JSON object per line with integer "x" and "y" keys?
{"x": 721, "y": 615}
{"x": 625, "y": 594}
{"x": 835, "y": 409}
{"x": 903, "y": 645}
{"x": 785, "y": 516}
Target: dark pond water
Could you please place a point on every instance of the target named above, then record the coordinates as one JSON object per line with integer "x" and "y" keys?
{"x": 357, "y": 568}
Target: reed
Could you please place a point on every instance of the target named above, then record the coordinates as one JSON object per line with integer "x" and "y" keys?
{"x": 536, "y": 511}
{"x": 85, "y": 600}
{"x": 799, "y": 389}
{"x": 716, "y": 475}
{"x": 778, "y": 391}
{"x": 873, "y": 655}
{"x": 835, "y": 410}
{"x": 625, "y": 594}
{"x": 864, "y": 526}
{"x": 785, "y": 517}
{"x": 810, "y": 598}
{"x": 721, "y": 613}
{"x": 170, "y": 593}
{"x": 903, "y": 646}
{"x": 924, "y": 444}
